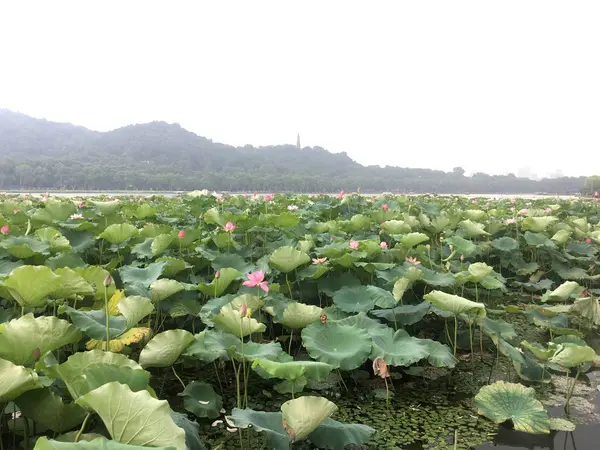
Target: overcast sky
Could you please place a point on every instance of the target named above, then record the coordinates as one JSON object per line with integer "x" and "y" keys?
{"x": 489, "y": 86}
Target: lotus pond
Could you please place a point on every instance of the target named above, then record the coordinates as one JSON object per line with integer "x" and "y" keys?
{"x": 285, "y": 321}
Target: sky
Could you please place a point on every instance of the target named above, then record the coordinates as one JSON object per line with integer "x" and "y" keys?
{"x": 497, "y": 87}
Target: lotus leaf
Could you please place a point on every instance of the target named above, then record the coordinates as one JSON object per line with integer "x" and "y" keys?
{"x": 210, "y": 345}
{"x": 101, "y": 443}
{"x": 572, "y": 355}
{"x": 161, "y": 243}
{"x": 561, "y": 293}
{"x": 399, "y": 348}
{"x": 220, "y": 284}
{"x": 589, "y": 308}
{"x": 134, "y": 309}
{"x": 201, "y": 400}
{"x": 404, "y": 314}
{"x": 118, "y": 233}
{"x": 30, "y": 286}
{"x": 142, "y": 276}
{"x": 191, "y": 429}
{"x": 437, "y": 279}
{"x": 106, "y": 208}
{"x": 303, "y": 415}
{"x": 252, "y": 302}
{"x": 20, "y": 338}
{"x": 164, "y": 288}
{"x": 131, "y": 336}
{"x": 503, "y": 401}
{"x": 165, "y": 348}
{"x": 298, "y": 315}
{"x": 73, "y": 370}
{"x": 146, "y": 421}
{"x": 538, "y": 240}
{"x": 473, "y": 229}
{"x": 16, "y": 380}
{"x": 93, "y": 323}
{"x": 505, "y": 244}
{"x": 54, "y": 239}
{"x": 71, "y": 283}
{"x": 343, "y": 346}
{"x": 455, "y": 304}
{"x": 286, "y": 259}
{"x": 95, "y": 276}
{"x": 172, "y": 266}
{"x": 231, "y": 321}
{"x": 560, "y": 424}
{"x": 496, "y": 329}
{"x": 561, "y": 237}
{"x": 293, "y": 370}
{"x": 478, "y": 271}
{"x": 335, "y": 435}
{"x": 411, "y": 239}
{"x": 395, "y": 227}
{"x": 24, "y": 247}
{"x": 271, "y": 423}
{"x": 538, "y": 224}
{"x": 47, "y": 409}
{"x": 400, "y": 288}
{"x": 363, "y": 298}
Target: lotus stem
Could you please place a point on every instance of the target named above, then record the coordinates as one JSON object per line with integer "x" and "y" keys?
{"x": 455, "y": 334}
{"x": 455, "y": 439}
{"x": 237, "y": 382}
{"x": 290, "y": 344}
{"x": 571, "y": 388}
{"x": 471, "y": 343}
{"x": 87, "y": 417}
{"x": 287, "y": 282}
{"x": 177, "y": 376}
{"x": 26, "y": 432}
{"x": 107, "y": 316}
{"x": 218, "y": 377}
{"x": 387, "y": 393}
{"x": 244, "y": 364}
{"x": 447, "y": 332}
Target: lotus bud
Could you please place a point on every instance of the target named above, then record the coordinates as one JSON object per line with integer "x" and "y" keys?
{"x": 428, "y": 247}
{"x": 462, "y": 258}
{"x": 107, "y": 281}
{"x": 323, "y": 318}
{"x": 36, "y": 354}
{"x": 441, "y": 239}
{"x": 217, "y": 274}
{"x": 243, "y": 310}
{"x": 451, "y": 247}
{"x": 181, "y": 234}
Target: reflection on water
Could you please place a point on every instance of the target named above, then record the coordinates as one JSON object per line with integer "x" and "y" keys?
{"x": 585, "y": 437}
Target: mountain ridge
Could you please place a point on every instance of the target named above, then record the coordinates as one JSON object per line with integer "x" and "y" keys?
{"x": 37, "y": 153}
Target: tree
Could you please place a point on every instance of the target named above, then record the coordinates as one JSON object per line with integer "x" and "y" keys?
{"x": 458, "y": 171}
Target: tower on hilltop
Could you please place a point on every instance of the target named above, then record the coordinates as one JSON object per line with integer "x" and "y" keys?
{"x": 298, "y": 141}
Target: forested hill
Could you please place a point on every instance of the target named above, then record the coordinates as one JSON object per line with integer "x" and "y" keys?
{"x": 38, "y": 154}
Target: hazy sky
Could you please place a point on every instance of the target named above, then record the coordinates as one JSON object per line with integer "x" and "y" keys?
{"x": 490, "y": 86}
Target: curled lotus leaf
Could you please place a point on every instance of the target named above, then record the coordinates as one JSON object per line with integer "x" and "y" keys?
{"x": 479, "y": 270}
{"x": 30, "y": 286}
{"x": 473, "y": 229}
{"x": 145, "y": 421}
{"x": 252, "y": 302}
{"x": 301, "y": 416}
{"x": 134, "y": 309}
{"x": 455, "y": 304}
{"x": 217, "y": 286}
{"x": 118, "y": 233}
{"x": 572, "y": 355}
{"x": 398, "y": 348}
{"x": 251, "y": 351}
{"x": 538, "y": 224}
{"x": 299, "y": 315}
{"x": 16, "y": 380}
{"x": 293, "y": 370}
{"x": 286, "y": 259}
{"x": 106, "y": 208}
{"x": 589, "y": 308}
{"x": 503, "y": 401}
{"x": 343, "y": 346}
{"x": 89, "y": 442}
{"x": 411, "y": 239}
{"x": 231, "y": 321}
{"x": 165, "y": 348}
{"x": 561, "y": 293}
{"x": 20, "y": 338}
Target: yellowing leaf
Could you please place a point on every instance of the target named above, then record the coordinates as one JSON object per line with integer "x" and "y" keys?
{"x": 133, "y": 336}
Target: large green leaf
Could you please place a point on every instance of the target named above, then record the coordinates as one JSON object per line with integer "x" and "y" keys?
{"x": 343, "y": 346}
{"x": 440, "y": 355}
{"x": 201, "y": 400}
{"x": 134, "y": 309}
{"x": 303, "y": 415}
{"x": 231, "y": 321}
{"x": 472, "y": 229}
{"x": 292, "y": 370}
{"x": 363, "y": 298}
{"x": 210, "y": 345}
{"x": 73, "y": 370}
{"x": 561, "y": 293}
{"x": 503, "y": 401}
{"x": 96, "y": 276}
{"x": 134, "y": 417}
{"x": 54, "y": 239}
{"x": 411, "y": 239}
{"x": 23, "y": 247}
{"x": 505, "y": 244}
{"x": 538, "y": 224}
{"x": 71, "y": 283}
{"x": 93, "y": 323}
{"x": 165, "y": 348}
{"x": 164, "y": 288}
{"x": 335, "y": 435}
{"x": 119, "y": 233}
{"x": 102, "y": 443}
{"x": 100, "y": 374}
{"x": 30, "y": 286}
{"x": 47, "y": 409}
{"x": 404, "y": 314}
{"x": 498, "y": 329}
{"x": 299, "y": 315}
{"x": 286, "y": 259}
{"x": 399, "y": 348}
{"x": 217, "y": 286}
{"x": 20, "y": 338}
{"x": 572, "y": 355}
{"x": 271, "y": 423}
{"x": 142, "y": 276}
{"x": 478, "y": 271}
{"x": 455, "y": 304}
{"x": 589, "y": 308}
{"x": 161, "y": 243}
{"x": 15, "y": 380}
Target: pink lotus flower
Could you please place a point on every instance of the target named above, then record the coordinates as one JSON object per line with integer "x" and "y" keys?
{"x": 385, "y": 207}
{"x": 513, "y": 201}
{"x": 588, "y": 241}
{"x": 523, "y": 212}
{"x": 353, "y": 244}
{"x": 181, "y": 234}
{"x": 383, "y": 245}
{"x": 548, "y": 210}
{"x": 217, "y": 274}
{"x": 292, "y": 208}
{"x": 341, "y": 195}
{"x": 16, "y": 211}
{"x": 319, "y": 260}
{"x": 473, "y": 202}
{"x": 76, "y": 217}
{"x": 510, "y": 221}
{"x": 256, "y": 279}
{"x": 81, "y": 205}
{"x": 412, "y": 260}
{"x": 268, "y": 197}
{"x": 243, "y": 310}
{"x": 4, "y": 229}
{"x": 229, "y": 227}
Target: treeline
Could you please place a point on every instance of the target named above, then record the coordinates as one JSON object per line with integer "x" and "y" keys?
{"x": 37, "y": 154}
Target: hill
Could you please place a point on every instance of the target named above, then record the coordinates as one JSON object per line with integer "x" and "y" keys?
{"x": 39, "y": 154}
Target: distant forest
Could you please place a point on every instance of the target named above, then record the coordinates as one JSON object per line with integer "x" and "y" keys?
{"x": 38, "y": 154}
